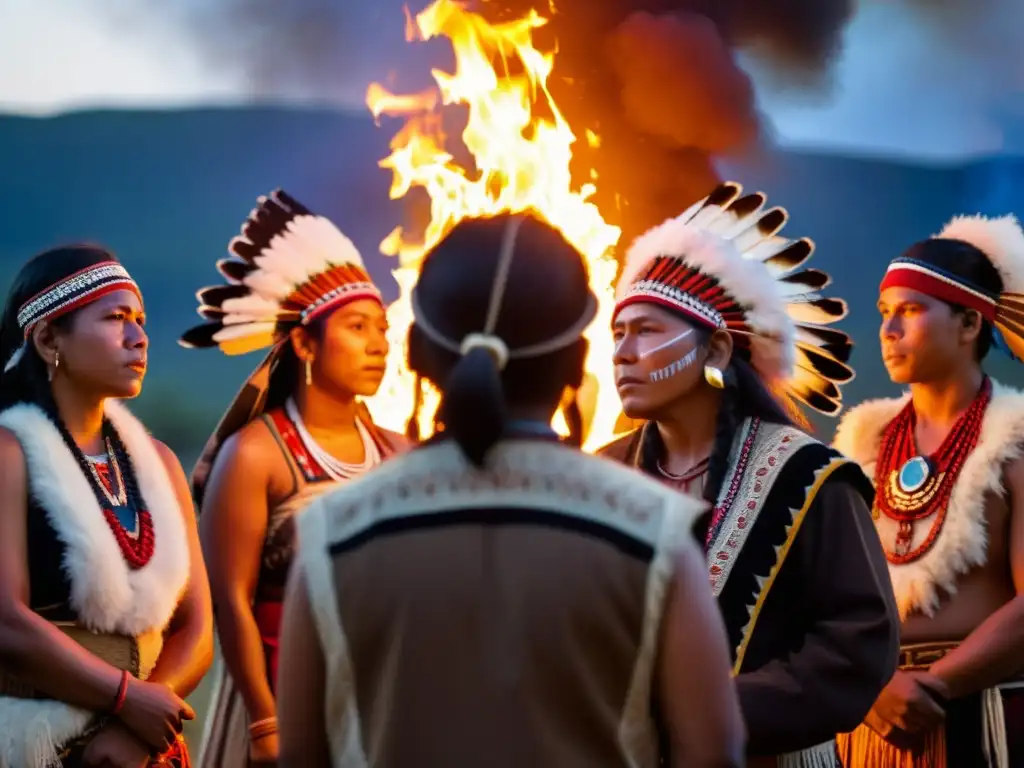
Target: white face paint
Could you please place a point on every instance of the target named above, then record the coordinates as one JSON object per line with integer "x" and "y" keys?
{"x": 672, "y": 369}
{"x": 676, "y": 366}
{"x": 665, "y": 345}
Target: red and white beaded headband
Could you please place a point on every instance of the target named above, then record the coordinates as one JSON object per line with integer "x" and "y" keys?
{"x": 916, "y": 275}
{"x": 83, "y": 287}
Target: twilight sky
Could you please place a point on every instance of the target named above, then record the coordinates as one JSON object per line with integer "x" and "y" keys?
{"x": 938, "y": 84}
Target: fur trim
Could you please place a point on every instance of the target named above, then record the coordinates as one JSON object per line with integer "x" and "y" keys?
{"x": 748, "y": 281}
{"x": 107, "y": 595}
{"x": 31, "y": 732}
{"x": 962, "y": 544}
{"x": 1001, "y": 239}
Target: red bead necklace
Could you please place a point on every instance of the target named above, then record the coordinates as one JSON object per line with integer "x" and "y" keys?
{"x": 114, "y": 487}
{"x": 911, "y": 487}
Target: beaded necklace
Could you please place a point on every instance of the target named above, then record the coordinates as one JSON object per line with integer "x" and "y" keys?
{"x": 686, "y": 479}
{"x": 911, "y": 487}
{"x": 137, "y": 545}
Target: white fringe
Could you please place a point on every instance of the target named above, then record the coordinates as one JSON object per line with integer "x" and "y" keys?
{"x": 821, "y": 756}
{"x": 993, "y": 718}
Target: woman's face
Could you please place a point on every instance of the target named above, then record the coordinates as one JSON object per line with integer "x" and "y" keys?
{"x": 351, "y": 354}
{"x": 103, "y": 351}
{"x": 658, "y": 359}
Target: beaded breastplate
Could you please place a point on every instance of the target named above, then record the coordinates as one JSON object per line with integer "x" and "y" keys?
{"x": 911, "y": 488}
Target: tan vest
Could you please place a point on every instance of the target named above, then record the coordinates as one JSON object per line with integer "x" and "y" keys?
{"x": 506, "y": 617}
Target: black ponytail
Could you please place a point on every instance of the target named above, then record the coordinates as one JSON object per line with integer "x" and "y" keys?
{"x": 473, "y": 408}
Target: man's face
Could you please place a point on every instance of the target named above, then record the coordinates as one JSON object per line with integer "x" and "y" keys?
{"x": 922, "y": 338}
{"x": 658, "y": 358}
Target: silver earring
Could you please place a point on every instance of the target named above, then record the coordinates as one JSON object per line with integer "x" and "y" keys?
{"x": 56, "y": 365}
{"x": 309, "y": 372}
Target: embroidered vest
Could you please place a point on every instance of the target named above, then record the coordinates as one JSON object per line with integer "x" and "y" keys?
{"x": 545, "y": 555}
{"x": 961, "y": 543}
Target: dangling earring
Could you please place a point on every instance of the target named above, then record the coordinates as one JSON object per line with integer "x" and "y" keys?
{"x": 309, "y": 372}
{"x": 56, "y": 365}
{"x": 713, "y": 376}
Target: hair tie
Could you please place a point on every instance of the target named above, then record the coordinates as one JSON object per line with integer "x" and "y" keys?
{"x": 494, "y": 346}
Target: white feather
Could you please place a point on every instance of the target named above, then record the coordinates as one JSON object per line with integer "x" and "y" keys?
{"x": 749, "y": 283}
{"x": 268, "y": 284}
{"x": 229, "y": 332}
{"x": 253, "y": 305}
{"x": 1001, "y": 239}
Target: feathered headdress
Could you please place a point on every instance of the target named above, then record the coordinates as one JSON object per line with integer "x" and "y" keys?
{"x": 290, "y": 267}
{"x": 1001, "y": 241}
{"x": 724, "y": 264}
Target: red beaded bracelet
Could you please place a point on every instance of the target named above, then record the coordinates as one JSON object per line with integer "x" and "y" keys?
{"x": 122, "y": 694}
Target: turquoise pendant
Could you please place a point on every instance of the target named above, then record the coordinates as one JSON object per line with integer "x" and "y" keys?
{"x": 914, "y": 474}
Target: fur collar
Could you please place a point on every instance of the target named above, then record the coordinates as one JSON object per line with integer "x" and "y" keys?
{"x": 963, "y": 541}
{"x": 107, "y": 595}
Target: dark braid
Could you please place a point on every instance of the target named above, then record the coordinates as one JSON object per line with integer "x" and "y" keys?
{"x": 412, "y": 427}
{"x": 574, "y": 420}
{"x": 726, "y": 428}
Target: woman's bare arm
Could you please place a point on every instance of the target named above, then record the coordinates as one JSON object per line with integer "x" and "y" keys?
{"x": 43, "y": 656}
{"x": 301, "y": 702}
{"x": 188, "y": 648}
{"x": 698, "y": 698}
{"x": 233, "y": 527}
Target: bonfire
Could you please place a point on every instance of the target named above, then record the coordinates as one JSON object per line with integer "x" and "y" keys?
{"x": 521, "y": 148}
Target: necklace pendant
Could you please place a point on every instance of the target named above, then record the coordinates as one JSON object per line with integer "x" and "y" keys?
{"x": 904, "y": 538}
{"x": 914, "y": 474}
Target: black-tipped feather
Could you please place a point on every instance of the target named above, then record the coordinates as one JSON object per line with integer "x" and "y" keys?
{"x": 746, "y": 205}
{"x": 211, "y": 313}
{"x": 235, "y": 271}
{"x": 811, "y": 279}
{"x": 243, "y": 249}
{"x": 792, "y": 256}
{"x": 218, "y": 294}
{"x": 828, "y": 368}
{"x": 772, "y": 222}
{"x": 201, "y": 336}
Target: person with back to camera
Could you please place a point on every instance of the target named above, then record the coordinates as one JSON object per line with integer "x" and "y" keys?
{"x": 719, "y": 333}
{"x": 105, "y": 617}
{"x": 495, "y": 596}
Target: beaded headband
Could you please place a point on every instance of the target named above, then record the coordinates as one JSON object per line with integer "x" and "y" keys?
{"x": 1001, "y": 241}
{"x": 83, "y": 287}
{"x": 905, "y": 272}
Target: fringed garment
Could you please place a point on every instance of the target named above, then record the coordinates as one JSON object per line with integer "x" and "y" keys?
{"x": 80, "y": 579}
{"x": 980, "y": 730}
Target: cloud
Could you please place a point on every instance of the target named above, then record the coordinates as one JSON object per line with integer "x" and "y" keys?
{"x": 941, "y": 79}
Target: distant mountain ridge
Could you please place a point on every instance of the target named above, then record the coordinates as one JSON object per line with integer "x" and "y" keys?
{"x": 167, "y": 190}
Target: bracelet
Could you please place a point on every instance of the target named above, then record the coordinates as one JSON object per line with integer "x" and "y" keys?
{"x": 122, "y": 694}
{"x": 265, "y": 727}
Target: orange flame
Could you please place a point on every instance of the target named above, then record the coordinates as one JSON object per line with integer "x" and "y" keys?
{"x": 521, "y": 163}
